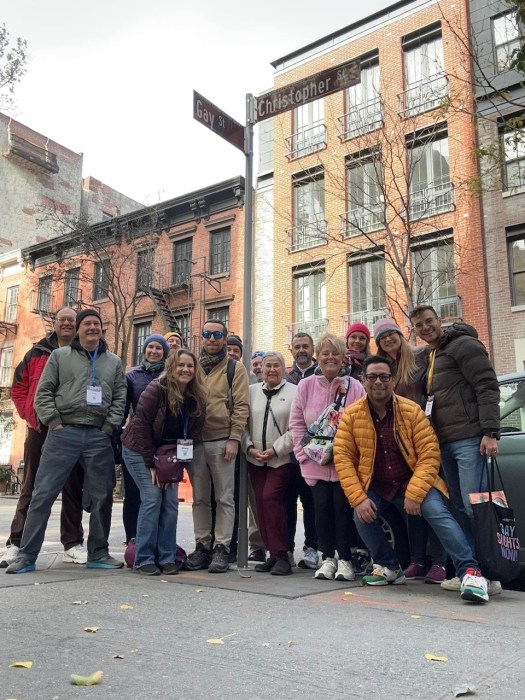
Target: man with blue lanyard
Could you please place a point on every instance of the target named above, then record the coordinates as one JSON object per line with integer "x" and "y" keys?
{"x": 80, "y": 398}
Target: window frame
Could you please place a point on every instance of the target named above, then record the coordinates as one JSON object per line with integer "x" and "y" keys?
{"x": 182, "y": 264}
{"x": 512, "y": 237}
{"x": 101, "y": 268}
{"x": 502, "y": 68}
{"x": 11, "y": 307}
{"x": 6, "y": 370}
{"x": 376, "y": 303}
{"x": 72, "y": 286}
{"x": 44, "y": 296}
{"x": 431, "y": 293}
{"x": 140, "y": 332}
{"x": 220, "y": 251}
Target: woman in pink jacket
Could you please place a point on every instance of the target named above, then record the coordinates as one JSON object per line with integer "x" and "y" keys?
{"x": 333, "y": 514}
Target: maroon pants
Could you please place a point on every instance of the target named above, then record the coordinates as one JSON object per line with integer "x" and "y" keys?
{"x": 270, "y": 488}
{"x": 71, "y": 530}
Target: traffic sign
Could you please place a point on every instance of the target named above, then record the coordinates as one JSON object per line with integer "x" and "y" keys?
{"x": 307, "y": 90}
{"x": 218, "y": 121}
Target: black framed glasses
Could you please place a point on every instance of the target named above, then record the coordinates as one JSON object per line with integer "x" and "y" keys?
{"x": 212, "y": 334}
{"x": 385, "y": 378}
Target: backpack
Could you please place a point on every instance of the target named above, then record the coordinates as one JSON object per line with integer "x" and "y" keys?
{"x": 230, "y": 373}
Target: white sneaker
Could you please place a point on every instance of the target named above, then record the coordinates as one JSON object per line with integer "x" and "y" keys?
{"x": 310, "y": 559}
{"x": 75, "y": 555}
{"x": 494, "y": 588}
{"x": 10, "y": 555}
{"x": 451, "y": 584}
{"x": 345, "y": 571}
{"x": 327, "y": 569}
{"x": 474, "y": 588}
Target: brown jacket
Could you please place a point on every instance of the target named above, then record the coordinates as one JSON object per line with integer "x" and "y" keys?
{"x": 221, "y": 424}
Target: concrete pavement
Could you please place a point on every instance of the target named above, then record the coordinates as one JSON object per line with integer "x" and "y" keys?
{"x": 291, "y": 637}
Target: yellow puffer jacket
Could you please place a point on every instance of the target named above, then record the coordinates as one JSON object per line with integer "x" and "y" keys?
{"x": 355, "y": 449}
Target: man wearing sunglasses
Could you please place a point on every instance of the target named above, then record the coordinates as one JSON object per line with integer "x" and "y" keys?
{"x": 226, "y": 418}
{"x": 386, "y": 448}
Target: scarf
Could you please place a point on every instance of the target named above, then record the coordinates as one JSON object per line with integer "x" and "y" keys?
{"x": 208, "y": 362}
{"x": 355, "y": 358}
{"x": 153, "y": 367}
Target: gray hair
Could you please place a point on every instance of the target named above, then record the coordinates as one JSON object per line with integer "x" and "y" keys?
{"x": 328, "y": 339}
{"x": 273, "y": 354}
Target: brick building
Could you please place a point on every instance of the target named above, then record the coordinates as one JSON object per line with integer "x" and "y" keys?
{"x": 155, "y": 269}
{"x": 368, "y": 189}
{"x": 501, "y": 103}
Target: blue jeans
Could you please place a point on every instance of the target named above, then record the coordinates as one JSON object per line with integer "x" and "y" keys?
{"x": 62, "y": 449}
{"x": 156, "y": 540}
{"x": 464, "y": 469}
{"x": 436, "y": 513}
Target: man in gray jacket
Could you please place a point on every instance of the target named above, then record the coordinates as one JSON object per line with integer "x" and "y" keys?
{"x": 81, "y": 398}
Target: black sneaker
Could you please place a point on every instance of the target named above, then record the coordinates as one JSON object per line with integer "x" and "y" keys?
{"x": 267, "y": 566}
{"x": 199, "y": 559}
{"x": 148, "y": 570}
{"x": 257, "y": 555}
{"x": 232, "y": 555}
{"x": 170, "y": 569}
{"x": 219, "y": 561}
{"x": 281, "y": 568}
{"x": 360, "y": 561}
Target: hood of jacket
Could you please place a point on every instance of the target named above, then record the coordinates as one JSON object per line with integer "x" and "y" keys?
{"x": 457, "y": 330}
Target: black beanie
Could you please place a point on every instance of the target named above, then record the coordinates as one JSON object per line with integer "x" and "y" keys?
{"x": 87, "y": 312}
{"x": 234, "y": 340}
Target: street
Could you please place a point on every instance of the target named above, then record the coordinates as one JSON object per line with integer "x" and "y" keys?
{"x": 246, "y": 635}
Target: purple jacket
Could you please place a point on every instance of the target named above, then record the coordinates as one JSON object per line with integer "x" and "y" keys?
{"x": 313, "y": 395}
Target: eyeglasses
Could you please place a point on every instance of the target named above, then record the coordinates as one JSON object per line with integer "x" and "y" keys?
{"x": 217, "y": 335}
{"x": 385, "y": 378}
{"x": 66, "y": 319}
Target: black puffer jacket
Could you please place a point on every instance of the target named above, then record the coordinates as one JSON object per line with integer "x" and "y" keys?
{"x": 465, "y": 386}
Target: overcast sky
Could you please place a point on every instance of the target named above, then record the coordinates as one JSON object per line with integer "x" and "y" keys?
{"x": 114, "y": 79}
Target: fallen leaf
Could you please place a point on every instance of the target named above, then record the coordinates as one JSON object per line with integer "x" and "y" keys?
{"x": 291, "y": 643}
{"x": 21, "y": 664}
{"x": 199, "y": 590}
{"x": 464, "y": 690}
{"x": 220, "y": 640}
{"x": 433, "y": 657}
{"x": 93, "y": 679}
{"x": 145, "y": 595}
{"x": 348, "y": 593}
{"x": 80, "y": 602}
{"x": 90, "y": 629}
{"x": 163, "y": 580}
{"x": 118, "y": 656}
{"x": 126, "y": 607}
{"x": 416, "y": 617}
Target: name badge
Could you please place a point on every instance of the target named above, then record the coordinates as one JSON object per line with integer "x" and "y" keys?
{"x": 428, "y": 407}
{"x": 185, "y": 450}
{"x": 94, "y": 395}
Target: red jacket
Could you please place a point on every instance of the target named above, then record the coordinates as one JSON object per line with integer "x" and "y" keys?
{"x": 27, "y": 376}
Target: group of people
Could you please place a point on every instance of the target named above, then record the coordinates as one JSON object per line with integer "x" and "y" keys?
{"x": 409, "y": 422}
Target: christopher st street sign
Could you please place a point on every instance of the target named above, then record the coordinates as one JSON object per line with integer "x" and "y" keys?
{"x": 307, "y": 90}
{"x": 218, "y": 121}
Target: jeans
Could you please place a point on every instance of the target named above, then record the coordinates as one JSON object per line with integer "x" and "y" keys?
{"x": 63, "y": 448}
{"x": 440, "y": 519}
{"x": 464, "y": 469}
{"x": 419, "y": 534}
{"x": 156, "y": 540}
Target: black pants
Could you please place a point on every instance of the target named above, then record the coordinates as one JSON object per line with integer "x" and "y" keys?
{"x": 334, "y": 519}
{"x": 131, "y": 506}
{"x": 298, "y": 488}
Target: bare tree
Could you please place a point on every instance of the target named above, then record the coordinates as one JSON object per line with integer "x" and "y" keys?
{"x": 13, "y": 60}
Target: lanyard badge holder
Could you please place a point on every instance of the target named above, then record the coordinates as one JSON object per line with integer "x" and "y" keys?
{"x": 93, "y": 392}
{"x": 184, "y": 446}
{"x": 430, "y": 395}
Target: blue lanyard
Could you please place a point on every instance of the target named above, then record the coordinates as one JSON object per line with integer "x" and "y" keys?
{"x": 185, "y": 420}
{"x": 93, "y": 358}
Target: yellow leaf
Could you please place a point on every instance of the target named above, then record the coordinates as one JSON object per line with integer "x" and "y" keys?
{"x": 80, "y": 602}
{"x": 416, "y": 617}
{"x": 432, "y": 657}
{"x": 93, "y": 679}
{"x": 90, "y": 629}
{"x": 215, "y": 641}
{"x": 21, "y": 664}
{"x": 199, "y": 590}
{"x": 126, "y": 607}
{"x": 348, "y": 593}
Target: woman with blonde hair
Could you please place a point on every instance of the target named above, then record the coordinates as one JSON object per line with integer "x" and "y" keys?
{"x": 170, "y": 412}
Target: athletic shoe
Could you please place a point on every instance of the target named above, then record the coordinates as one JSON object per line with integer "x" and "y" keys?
{"x": 219, "y": 560}
{"x": 281, "y": 568}
{"x": 310, "y": 559}
{"x": 75, "y": 555}
{"x": 170, "y": 569}
{"x": 10, "y": 555}
{"x": 436, "y": 574}
{"x": 267, "y": 566}
{"x": 474, "y": 587}
{"x": 383, "y": 576}
{"x": 494, "y": 588}
{"x": 148, "y": 570}
{"x": 257, "y": 555}
{"x": 105, "y": 563}
{"x": 327, "y": 569}
{"x": 345, "y": 571}
{"x": 451, "y": 584}
{"x": 414, "y": 572}
{"x": 21, "y": 565}
{"x": 361, "y": 561}
{"x": 199, "y": 559}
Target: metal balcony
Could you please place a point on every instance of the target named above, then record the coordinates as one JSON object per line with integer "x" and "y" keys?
{"x": 361, "y": 220}
{"x": 31, "y": 156}
{"x": 435, "y": 199}
{"x": 423, "y": 96}
{"x": 449, "y": 309}
{"x": 306, "y": 141}
{"x": 307, "y": 236}
{"x": 368, "y": 317}
{"x": 314, "y": 327}
{"x": 360, "y": 120}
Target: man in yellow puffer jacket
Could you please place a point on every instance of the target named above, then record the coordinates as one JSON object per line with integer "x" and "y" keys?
{"x": 385, "y": 447}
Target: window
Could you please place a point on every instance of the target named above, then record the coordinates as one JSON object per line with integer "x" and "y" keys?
{"x": 365, "y": 197}
{"x": 435, "y": 278}
{"x": 431, "y": 191}
{"x": 44, "y": 294}
{"x": 145, "y": 261}
{"x": 72, "y": 287}
{"x": 142, "y": 330}
{"x": 516, "y": 252}
{"x": 309, "y": 130}
{"x": 11, "y": 306}
{"x": 221, "y": 313}
{"x": 310, "y": 302}
{"x": 183, "y": 322}
{"x": 513, "y": 147}
{"x": 363, "y": 106}
{"x": 6, "y": 432}
{"x": 367, "y": 290}
{"x": 101, "y": 274}
{"x": 182, "y": 257}
{"x": 506, "y": 40}
{"x": 512, "y": 407}
{"x": 6, "y": 367}
{"x": 309, "y": 222}
{"x": 426, "y": 84}
{"x": 220, "y": 252}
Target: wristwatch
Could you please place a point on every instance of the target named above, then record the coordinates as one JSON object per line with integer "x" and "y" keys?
{"x": 494, "y": 434}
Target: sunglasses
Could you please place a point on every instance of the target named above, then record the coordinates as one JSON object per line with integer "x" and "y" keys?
{"x": 217, "y": 335}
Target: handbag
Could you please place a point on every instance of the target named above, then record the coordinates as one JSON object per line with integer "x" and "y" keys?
{"x": 495, "y": 536}
{"x": 318, "y": 441}
{"x": 169, "y": 470}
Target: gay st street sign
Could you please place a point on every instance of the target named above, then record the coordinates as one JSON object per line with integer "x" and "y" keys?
{"x": 218, "y": 121}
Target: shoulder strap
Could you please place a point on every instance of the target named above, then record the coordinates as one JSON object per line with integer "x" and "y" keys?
{"x": 230, "y": 373}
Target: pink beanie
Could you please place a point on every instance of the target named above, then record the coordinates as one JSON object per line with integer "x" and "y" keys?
{"x": 359, "y": 328}
{"x": 385, "y": 325}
